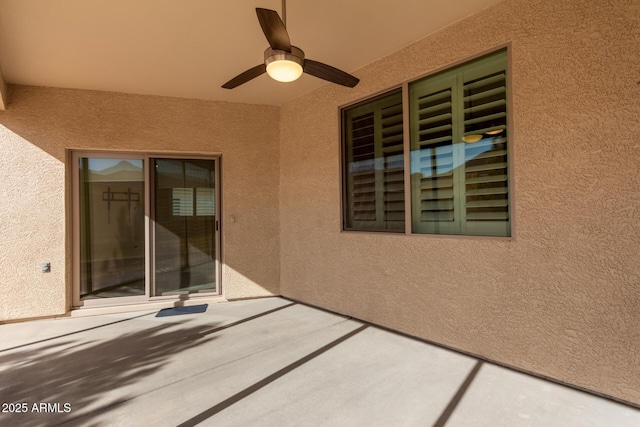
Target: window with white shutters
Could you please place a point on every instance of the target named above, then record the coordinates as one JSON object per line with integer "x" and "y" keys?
{"x": 459, "y": 165}
{"x": 459, "y": 173}
{"x": 374, "y": 193}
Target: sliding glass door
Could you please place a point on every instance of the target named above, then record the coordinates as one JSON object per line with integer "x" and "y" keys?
{"x": 184, "y": 225}
{"x": 112, "y": 227}
{"x": 145, "y": 228}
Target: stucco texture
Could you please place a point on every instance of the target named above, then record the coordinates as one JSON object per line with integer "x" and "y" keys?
{"x": 42, "y": 124}
{"x": 562, "y": 297}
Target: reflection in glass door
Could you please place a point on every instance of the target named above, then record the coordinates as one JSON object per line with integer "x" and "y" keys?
{"x": 184, "y": 226}
{"x": 111, "y": 206}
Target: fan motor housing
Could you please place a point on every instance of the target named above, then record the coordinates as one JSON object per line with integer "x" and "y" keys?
{"x": 296, "y": 55}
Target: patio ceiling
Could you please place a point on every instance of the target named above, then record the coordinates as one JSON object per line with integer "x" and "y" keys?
{"x": 189, "y": 49}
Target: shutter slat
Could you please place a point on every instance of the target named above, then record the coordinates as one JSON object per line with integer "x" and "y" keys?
{"x": 394, "y": 196}
{"x": 427, "y": 183}
{"x": 485, "y": 119}
{"x": 364, "y": 196}
{"x": 440, "y": 170}
{"x": 486, "y": 179}
{"x": 392, "y": 140}
{"x": 437, "y": 205}
{"x": 393, "y": 127}
{"x": 364, "y": 206}
{"x": 434, "y": 130}
{"x": 487, "y": 191}
{"x": 486, "y": 81}
{"x": 395, "y": 110}
{"x": 393, "y": 180}
{"x": 488, "y": 216}
{"x": 364, "y": 178}
{"x": 395, "y": 187}
{"x": 365, "y": 130}
{"x": 395, "y": 216}
{"x": 488, "y": 154}
{"x": 446, "y": 95}
{"x": 392, "y": 121}
{"x": 426, "y": 142}
{"x": 395, "y": 206}
{"x": 436, "y": 194}
{"x": 483, "y": 107}
{"x": 435, "y": 119}
{"x": 485, "y": 130}
{"x": 364, "y": 217}
{"x": 487, "y": 106}
{"x": 436, "y": 216}
{"x": 499, "y": 203}
{"x": 486, "y": 167}
{"x": 485, "y": 94}
{"x": 440, "y": 106}
{"x": 360, "y": 141}
{"x": 484, "y": 143}
{"x": 361, "y": 122}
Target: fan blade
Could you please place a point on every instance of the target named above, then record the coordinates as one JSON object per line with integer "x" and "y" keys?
{"x": 251, "y": 73}
{"x": 274, "y": 29}
{"x": 329, "y": 73}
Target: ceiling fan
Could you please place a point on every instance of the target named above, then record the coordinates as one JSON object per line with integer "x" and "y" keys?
{"x": 284, "y": 62}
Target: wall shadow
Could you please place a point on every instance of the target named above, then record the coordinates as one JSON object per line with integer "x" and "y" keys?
{"x": 90, "y": 375}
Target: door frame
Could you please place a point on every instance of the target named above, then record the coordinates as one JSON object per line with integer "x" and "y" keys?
{"x": 149, "y": 225}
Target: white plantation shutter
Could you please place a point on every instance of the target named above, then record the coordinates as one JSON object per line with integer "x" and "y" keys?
{"x": 393, "y": 163}
{"x": 459, "y": 186}
{"x": 486, "y": 191}
{"x": 362, "y": 174}
{"x": 433, "y": 156}
{"x": 374, "y": 193}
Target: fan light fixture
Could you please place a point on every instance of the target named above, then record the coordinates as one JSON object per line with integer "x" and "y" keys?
{"x": 284, "y": 66}
{"x": 284, "y": 71}
{"x": 284, "y": 62}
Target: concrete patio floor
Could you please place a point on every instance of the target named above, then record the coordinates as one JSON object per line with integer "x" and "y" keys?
{"x": 266, "y": 362}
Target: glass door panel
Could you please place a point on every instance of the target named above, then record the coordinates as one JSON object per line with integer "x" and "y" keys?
{"x": 112, "y": 227}
{"x": 184, "y": 210}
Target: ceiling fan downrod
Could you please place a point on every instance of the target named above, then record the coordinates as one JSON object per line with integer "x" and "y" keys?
{"x": 284, "y": 13}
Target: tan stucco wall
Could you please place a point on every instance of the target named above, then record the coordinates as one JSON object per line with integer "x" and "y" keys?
{"x": 42, "y": 123}
{"x": 562, "y": 298}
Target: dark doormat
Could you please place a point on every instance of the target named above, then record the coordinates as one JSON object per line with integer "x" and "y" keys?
{"x": 176, "y": 311}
